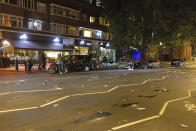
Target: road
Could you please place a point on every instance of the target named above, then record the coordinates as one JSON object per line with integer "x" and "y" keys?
{"x": 140, "y": 100}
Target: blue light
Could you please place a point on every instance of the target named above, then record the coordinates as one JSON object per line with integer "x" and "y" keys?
{"x": 137, "y": 55}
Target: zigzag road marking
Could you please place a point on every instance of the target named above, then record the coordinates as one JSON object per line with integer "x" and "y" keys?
{"x": 68, "y": 96}
{"x": 161, "y": 113}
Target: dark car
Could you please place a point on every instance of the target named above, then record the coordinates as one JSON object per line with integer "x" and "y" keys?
{"x": 77, "y": 63}
{"x": 177, "y": 63}
{"x": 141, "y": 64}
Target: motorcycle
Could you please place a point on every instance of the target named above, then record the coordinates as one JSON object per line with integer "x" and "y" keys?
{"x": 57, "y": 68}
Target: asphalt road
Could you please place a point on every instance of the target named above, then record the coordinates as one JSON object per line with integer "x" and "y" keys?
{"x": 140, "y": 100}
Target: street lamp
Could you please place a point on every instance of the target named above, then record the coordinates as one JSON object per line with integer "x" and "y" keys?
{"x": 23, "y": 37}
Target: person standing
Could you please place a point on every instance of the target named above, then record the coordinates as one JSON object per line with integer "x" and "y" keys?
{"x": 105, "y": 60}
{"x": 131, "y": 64}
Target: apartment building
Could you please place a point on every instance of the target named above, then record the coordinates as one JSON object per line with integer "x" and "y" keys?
{"x": 69, "y": 27}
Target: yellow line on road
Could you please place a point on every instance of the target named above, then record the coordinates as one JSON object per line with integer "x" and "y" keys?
{"x": 22, "y": 109}
{"x": 54, "y": 101}
{"x": 135, "y": 122}
{"x": 161, "y": 113}
{"x": 163, "y": 109}
{"x": 65, "y": 97}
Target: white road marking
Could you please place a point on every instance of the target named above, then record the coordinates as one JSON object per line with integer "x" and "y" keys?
{"x": 161, "y": 113}
{"x": 32, "y": 91}
{"x": 135, "y": 122}
{"x": 7, "y": 82}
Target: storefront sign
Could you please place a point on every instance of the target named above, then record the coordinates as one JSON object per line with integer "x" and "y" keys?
{"x": 84, "y": 43}
{"x": 68, "y": 43}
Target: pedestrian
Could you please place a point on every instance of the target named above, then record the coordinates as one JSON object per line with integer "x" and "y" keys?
{"x": 60, "y": 63}
{"x": 131, "y": 64}
{"x": 105, "y": 60}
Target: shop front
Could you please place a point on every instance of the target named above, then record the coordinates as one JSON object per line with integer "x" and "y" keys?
{"x": 19, "y": 51}
{"x": 105, "y": 50}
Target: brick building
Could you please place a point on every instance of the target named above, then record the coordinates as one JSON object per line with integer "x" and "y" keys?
{"x": 71, "y": 27}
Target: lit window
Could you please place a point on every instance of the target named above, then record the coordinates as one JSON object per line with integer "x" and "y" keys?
{"x": 11, "y": 20}
{"x": 92, "y": 19}
{"x": 73, "y": 31}
{"x": 87, "y": 33}
{"x": 35, "y": 25}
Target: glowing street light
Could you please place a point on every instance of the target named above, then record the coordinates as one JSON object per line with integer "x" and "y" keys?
{"x": 56, "y": 40}
{"x": 23, "y": 37}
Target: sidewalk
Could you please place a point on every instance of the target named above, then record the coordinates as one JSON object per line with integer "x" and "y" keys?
{"x": 20, "y": 69}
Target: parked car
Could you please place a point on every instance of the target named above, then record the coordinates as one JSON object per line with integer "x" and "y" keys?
{"x": 177, "y": 63}
{"x": 141, "y": 64}
{"x": 77, "y": 63}
{"x": 153, "y": 63}
{"x": 123, "y": 63}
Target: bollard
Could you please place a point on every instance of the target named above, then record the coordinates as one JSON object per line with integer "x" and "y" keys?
{"x": 16, "y": 65}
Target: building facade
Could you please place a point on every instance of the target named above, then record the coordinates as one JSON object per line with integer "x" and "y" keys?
{"x": 69, "y": 27}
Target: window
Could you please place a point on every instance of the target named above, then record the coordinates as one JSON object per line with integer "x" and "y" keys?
{"x": 98, "y": 34}
{"x": 73, "y": 31}
{"x": 87, "y": 33}
{"x": 14, "y": 2}
{"x": 11, "y": 20}
{"x": 22, "y": 3}
{"x": 63, "y": 11}
{"x": 84, "y": 17}
{"x": 58, "y": 28}
{"x": 102, "y": 21}
{"x": 41, "y": 7}
{"x": 73, "y": 14}
{"x": 106, "y": 36}
{"x": 36, "y": 25}
{"x": 98, "y": 3}
{"x": 92, "y": 19}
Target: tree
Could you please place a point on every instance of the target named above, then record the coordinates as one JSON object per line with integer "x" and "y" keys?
{"x": 142, "y": 22}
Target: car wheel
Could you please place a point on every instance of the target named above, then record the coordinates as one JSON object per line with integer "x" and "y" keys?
{"x": 145, "y": 67}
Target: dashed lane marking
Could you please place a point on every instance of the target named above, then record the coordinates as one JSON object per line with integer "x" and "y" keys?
{"x": 161, "y": 113}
